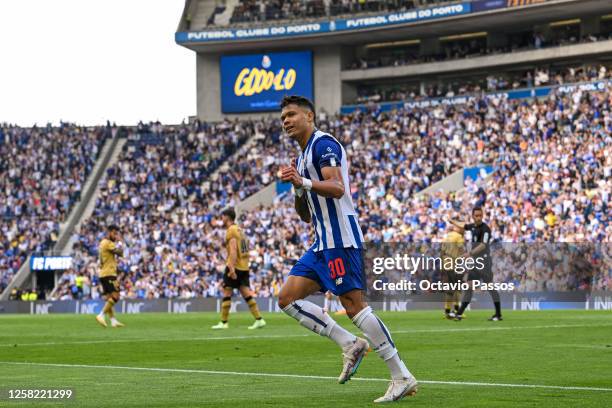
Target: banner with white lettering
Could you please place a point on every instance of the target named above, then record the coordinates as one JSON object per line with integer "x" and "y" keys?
{"x": 340, "y": 25}
{"x": 460, "y": 100}
{"x": 534, "y": 301}
{"x": 50, "y": 263}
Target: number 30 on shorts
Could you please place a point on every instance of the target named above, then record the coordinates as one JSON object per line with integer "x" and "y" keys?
{"x": 336, "y": 268}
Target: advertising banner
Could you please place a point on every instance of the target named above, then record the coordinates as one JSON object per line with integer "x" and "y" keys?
{"x": 460, "y": 100}
{"x": 258, "y": 82}
{"x": 339, "y": 25}
{"x": 484, "y": 5}
{"x": 419, "y": 300}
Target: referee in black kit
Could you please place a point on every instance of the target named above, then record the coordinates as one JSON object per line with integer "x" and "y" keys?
{"x": 481, "y": 235}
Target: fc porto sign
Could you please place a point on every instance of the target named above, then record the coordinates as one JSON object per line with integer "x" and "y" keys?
{"x": 257, "y": 83}
{"x": 50, "y": 263}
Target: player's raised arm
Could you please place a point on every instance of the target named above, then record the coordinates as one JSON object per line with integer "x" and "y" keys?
{"x": 327, "y": 159}
{"x": 456, "y": 223}
{"x": 117, "y": 249}
{"x": 291, "y": 175}
{"x": 332, "y": 185}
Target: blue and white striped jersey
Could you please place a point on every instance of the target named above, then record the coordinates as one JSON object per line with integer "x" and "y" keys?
{"x": 334, "y": 220}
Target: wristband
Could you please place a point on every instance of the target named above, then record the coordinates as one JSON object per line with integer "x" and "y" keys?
{"x": 306, "y": 184}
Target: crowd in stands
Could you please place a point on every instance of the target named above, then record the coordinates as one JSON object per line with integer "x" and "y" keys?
{"x": 540, "y": 76}
{"x": 164, "y": 192}
{"x": 253, "y": 11}
{"x": 42, "y": 172}
{"x": 553, "y": 161}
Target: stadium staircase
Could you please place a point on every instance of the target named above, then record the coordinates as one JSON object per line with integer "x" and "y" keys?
{"x": 89, "y": 193}
{"x": 223, "y": 19}
{"x": 452, "y": 183}
{"x": 232, "y": 158}
{"x": 91, "y": 203}
{"x": 108, "y": 159}
{"x": 203, "y": 11}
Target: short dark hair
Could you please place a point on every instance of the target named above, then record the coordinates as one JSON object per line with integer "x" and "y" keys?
{"x": 477, "y": 208}
{"x": 230, "y": 212}
{"x": 297, "y": 100}
{"x": 113, "y": 227}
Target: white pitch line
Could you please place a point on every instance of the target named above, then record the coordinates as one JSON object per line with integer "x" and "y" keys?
{"x": 468, "y": 329}
{"x": 273, "y": 336}
{"x": 148, "y": 339}
{"x": 312, "y": 377}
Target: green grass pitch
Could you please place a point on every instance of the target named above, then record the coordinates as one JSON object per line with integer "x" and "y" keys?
{"x": 163, "y": 360}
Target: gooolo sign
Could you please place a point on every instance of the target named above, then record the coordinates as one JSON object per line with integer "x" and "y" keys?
{"x": 255, "y": 83}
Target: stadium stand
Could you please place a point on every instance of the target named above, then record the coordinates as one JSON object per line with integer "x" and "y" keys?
{"x": 539, "y": 76}
{"x": 41, "y": 177}
{"x": 551, "y": 157}
{"x": 161, "y": 191}
{"x": 470, "y": 48}
{"x": 552, "y": 183}
{"x": 252, "y": 11}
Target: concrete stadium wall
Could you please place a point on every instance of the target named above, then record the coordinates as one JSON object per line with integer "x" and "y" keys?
{"x": 479, "y": 63}
{"x": 454, "y": 182}
{"x": 265, "y": 197}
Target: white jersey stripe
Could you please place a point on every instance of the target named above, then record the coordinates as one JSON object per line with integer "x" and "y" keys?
{"x": 335, "y": 220}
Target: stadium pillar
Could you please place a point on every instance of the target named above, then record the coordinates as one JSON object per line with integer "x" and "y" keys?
{"x": 327, "y": 81}
{"x": 208, "y": 83}
{"x": 590, "y": 25}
